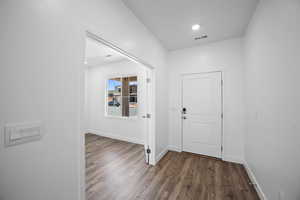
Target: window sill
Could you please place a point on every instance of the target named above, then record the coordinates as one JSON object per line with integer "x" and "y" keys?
{"x": 122, "y": 118}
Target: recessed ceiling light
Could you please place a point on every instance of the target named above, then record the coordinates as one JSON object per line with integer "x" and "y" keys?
{"x": 195, "y": 27}
{"x": 108, "y": 55}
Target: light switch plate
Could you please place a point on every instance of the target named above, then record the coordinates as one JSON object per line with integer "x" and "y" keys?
{"x": 15, "y": 134}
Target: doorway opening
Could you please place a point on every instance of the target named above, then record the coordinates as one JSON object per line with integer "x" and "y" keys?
{"x": 117, "y": 114}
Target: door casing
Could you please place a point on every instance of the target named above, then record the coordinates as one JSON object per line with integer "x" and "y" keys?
{"x": 150, "y": 137}
{"x": 222, "y": 108}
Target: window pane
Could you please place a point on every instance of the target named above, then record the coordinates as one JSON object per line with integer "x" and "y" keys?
{"x": 114, "y": 100}
{"x": 133, "y": 96}
{"x": 133, "y": 106}
{"x": 122, "y": 96}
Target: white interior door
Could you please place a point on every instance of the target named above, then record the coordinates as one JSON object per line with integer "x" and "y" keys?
{"x": 202, "y": 113}
{"x": 144, "y": 105}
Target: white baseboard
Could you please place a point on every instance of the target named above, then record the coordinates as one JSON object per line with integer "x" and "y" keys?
{"x": 115, "y": 136}
{"x": 233, "y": 159}
{"x": 161, "y": 155}
{"x": 174, "y": 148}
{"x": 253, "y": 179}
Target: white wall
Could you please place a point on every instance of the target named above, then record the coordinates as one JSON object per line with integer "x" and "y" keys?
{"x": 132, "y": 130}
{"x": 42, "y": 53}
{"x": 226, "y": 56}
{"x": 273, "y": 98}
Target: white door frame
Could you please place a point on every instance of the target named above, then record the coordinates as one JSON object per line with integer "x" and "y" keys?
{"x": 222, "y": 107}
{"x": 150, "y": 137}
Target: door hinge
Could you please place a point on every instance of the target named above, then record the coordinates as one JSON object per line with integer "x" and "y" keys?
{"x": 148, "y": 80}
{"x": 222, "y": 82}
{"x": 222, "y": 115}
{"x": 221, "y": 148}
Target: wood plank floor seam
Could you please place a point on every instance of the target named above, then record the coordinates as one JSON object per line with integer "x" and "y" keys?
{"x": 116, "y": 170}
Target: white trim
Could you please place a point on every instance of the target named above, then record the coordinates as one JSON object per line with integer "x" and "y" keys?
{"x": 116, "y": 48}
{"x": 81, "y": 138}
{"x": 253, "y": 179}
{"x": 227, "y": 158}
{"x": 121, "y": 117}
{"x": 151, "y": 73}
{"x": 174, "y": 148}
{"x": 115, "y": 136}
{"x": 120, "y": 75}
{"x": 161, "y": 155}
{"x": 233, "y": 159}
{"x": 150, "y": 140}
{"x": 151, "y": 103}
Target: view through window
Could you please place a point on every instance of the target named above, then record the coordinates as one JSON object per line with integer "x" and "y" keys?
{"x": 122, "y": 96}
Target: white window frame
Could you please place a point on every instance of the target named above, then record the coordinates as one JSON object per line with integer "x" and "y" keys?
{"x": 106, "y": 99}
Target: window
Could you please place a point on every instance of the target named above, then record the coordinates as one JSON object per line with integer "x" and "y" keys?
{"x": 122, "y": 96}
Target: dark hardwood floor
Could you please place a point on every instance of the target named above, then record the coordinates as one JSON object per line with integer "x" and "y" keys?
{"x": 116, "y": 170}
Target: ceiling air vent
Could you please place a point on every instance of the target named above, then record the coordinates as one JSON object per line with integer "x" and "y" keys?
{"x": 201, "y": 37}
